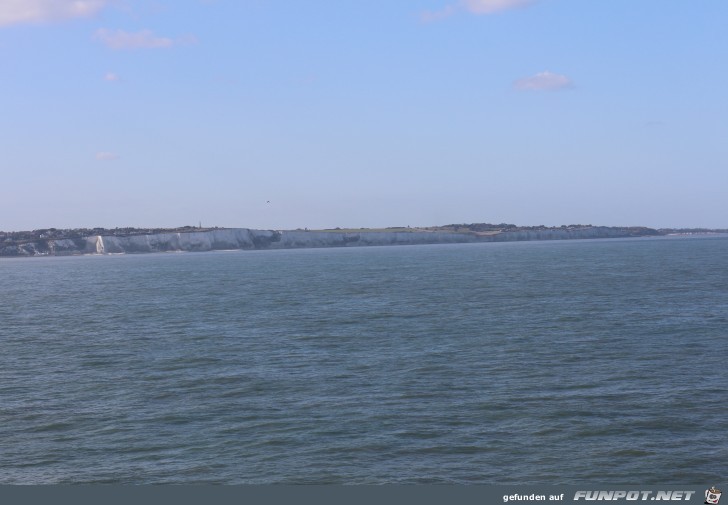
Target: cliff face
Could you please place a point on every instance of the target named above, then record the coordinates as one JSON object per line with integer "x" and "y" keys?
{"x": 557, "y": 234}
{"x": 299, "y": 239}
{"x": 243, "y": 238}
{"x": 236, "y": 238}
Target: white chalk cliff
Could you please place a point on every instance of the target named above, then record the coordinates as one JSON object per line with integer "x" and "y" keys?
{"x": 244, "y": 238}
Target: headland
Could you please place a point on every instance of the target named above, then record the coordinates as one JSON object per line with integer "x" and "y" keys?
{"x": 66, "y": 242}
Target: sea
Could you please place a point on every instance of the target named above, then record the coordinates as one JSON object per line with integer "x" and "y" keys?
{"x": 547, "y": 362}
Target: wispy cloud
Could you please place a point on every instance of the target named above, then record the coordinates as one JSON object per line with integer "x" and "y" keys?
{"x": 479, "y": 7}
{"x": 106, "y": 156}
{"x": 543, "y": 81}
{"x": 430, "y": 16}
{"x": 494, "y": 6}
{"x": 41, "y": 11}
{"x": 144, "y": 39}
{"x": 112, "y": 77}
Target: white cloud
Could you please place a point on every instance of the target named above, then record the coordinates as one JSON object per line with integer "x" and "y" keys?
{"x": 111, "y": 77}
{"x": 493, "y": 6}
{"x": 430, "y": 16}
{"x": 546, "y": 81}
{"x": 119, "y": 39}
{"x": 106, "y": 156}
{"x": 474, "y": 7}
{"x": 38, "y": 11}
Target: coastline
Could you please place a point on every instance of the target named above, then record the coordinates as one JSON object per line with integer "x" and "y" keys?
{"x": 220, "y": 239}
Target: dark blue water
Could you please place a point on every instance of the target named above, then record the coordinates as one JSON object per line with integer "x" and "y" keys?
{"x": 542, "y": 362}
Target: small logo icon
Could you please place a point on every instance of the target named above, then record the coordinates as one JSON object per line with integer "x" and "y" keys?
{"x": 712, "y": 496}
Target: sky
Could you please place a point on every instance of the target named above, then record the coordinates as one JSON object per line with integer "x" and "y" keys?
{"x": 282, "y": 114}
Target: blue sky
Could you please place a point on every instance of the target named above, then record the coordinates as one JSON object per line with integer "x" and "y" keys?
{"x": 287, "y": 114}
